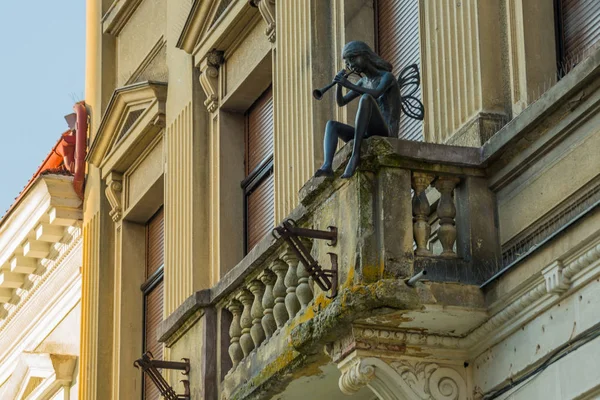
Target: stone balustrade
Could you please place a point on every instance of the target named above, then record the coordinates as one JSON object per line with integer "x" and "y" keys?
{"x": 269, "y": 317}
{"x": 446, "y": 212}
{"x": 265, "y": 302}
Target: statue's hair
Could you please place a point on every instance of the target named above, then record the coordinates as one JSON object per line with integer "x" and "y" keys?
{"x": 356, "y": 47}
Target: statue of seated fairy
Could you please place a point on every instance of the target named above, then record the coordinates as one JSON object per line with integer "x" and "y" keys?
{"x": 381, "y": 101}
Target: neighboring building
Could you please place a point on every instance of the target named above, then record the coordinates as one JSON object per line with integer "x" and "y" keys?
{"x": 40, "y": 276}
{"x": 204, "y": 136}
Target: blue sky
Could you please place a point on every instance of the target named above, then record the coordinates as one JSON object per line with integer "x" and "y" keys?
{"x": 42, "y": 70}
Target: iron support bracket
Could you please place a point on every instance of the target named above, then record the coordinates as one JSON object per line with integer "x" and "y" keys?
{"x": 150, "y": 367}
{"x": 290, "y": 232}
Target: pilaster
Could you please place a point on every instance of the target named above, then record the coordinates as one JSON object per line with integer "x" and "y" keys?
{"x": 462, "y": 71}
{"x": 531, "y": 51}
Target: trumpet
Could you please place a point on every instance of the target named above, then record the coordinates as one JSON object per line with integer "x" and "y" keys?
{"x": 318, "y": 93}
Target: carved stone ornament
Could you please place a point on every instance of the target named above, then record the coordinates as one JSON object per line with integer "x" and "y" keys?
{"x": 209, "y": 78}
{"x": 114, "y": 190}
{"x": 431, "y": 381}
{"x": 267, "y": 10}
{"x": 405, "y": 379}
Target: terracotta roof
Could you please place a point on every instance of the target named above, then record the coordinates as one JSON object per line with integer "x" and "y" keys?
{"x": 52, "y": 164}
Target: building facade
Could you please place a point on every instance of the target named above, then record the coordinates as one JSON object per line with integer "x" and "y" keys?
{"x": 204, "y": 136}
{"x": 40, "y": 280}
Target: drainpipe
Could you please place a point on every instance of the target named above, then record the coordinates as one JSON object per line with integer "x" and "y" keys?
{"x": 80, "y": 147}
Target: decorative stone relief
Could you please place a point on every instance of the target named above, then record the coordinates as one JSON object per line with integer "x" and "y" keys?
{"x": 403, "y": 379}
{"x": 209, "y": 78}
{"x": 355, "y": 376}
{"x": 114, "y": 190}
{"x": 556, "y": 282}
{"x": 431, "y": 381}
{"x": 267, "y": 10}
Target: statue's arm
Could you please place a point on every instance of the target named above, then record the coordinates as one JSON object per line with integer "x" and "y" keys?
{"x": 386, "y": 82}
{"x": 342, "y": 99}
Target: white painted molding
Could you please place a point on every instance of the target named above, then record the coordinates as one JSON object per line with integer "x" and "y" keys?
{"x": 54, "y": 370}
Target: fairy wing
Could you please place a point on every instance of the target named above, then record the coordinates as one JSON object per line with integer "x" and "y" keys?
{"x": 409, "y": 81}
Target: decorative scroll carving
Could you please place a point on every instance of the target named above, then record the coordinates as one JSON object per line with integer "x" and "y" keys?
{"x": 114, "y": 190}
{"x": 209, "y": 78}
{"x": 267, "y": 10}
{"x": 431, "y": 381}
{"x": 355, "y": 376}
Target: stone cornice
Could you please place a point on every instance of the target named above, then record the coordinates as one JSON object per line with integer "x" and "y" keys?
{"x": 117, "y": 144}
{"x": 542, "y": 292}
{"x": 195, "y": 25}
{"x": 572, "y": 97}
{"x": 230, "y": 30}
{"x": 54, "y": 371}
{"x": 117, "y": 15}
{"x": 33, "y": 237}
{"x": 49, "y": 298}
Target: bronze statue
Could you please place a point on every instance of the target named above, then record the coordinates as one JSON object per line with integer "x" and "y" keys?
{"x": 379, "y": 106}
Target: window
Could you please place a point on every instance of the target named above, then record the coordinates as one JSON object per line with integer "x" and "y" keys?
{"x": 152, "y": 290}
{"x": 258, "y": 185}
{"x": 397, "y": 24}
{"x": 577, "y": 31}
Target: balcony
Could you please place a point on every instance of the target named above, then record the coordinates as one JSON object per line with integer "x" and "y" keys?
{"x": 412, "y": 207}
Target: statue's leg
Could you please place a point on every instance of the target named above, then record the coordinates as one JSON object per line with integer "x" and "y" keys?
{"x": 369, "y": 122}
{"x": 333, "y": 131}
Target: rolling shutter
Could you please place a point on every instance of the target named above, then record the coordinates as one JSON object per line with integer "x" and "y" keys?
{"x": 398, "y": 43}
{"x": 155, "y": 243}
{"x": 259, "y": 131}
{"x": 153, "y": 317}
{"x": 259, "y": 183}
{"x": 261, "y": 213}
{"x": 153, "y": 294}
{"x": 579, "y": 29}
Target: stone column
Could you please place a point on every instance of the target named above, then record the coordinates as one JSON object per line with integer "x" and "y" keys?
{"x": 257, "y": 332}
{"x": 291, "y": 281}
{"x": 245, "y": 297}
{"x": 421, "y": 228}
{"x": 268, "y": 302}
{"x": 235, "y": 331}
{"x": 279, "y": 310}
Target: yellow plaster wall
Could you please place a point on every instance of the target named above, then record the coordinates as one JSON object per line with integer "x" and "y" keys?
{"x": 528, "y": 198}
{"x": 141, "y": 33}
{"x": 144, "y": 174}
{"x": 246, "y": 57}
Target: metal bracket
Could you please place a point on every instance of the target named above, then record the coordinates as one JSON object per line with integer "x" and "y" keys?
{"x": 290, "y": 232}
{"x": 150, "y": 367}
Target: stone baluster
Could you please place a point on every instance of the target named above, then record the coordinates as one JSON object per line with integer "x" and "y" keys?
{"x": 235, "y": 331}
{"x": 268, "y": 301}
{"x": 279, "y": 310}
{"x": 291, "y": 282}
{"x": 303, "y": 290}
{"x": 257, "y": 332}
{"x": 245, "y": 297}
{"x": 421, "y": 209}
{"x": 447, "y": 212}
